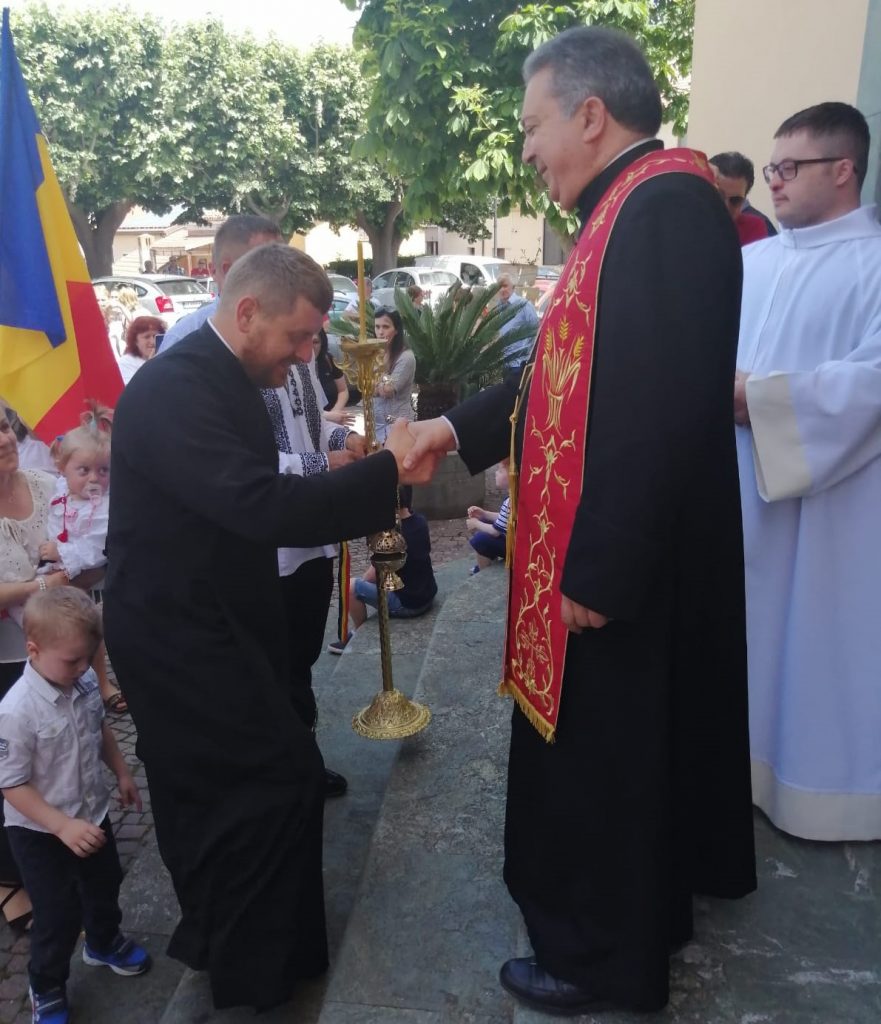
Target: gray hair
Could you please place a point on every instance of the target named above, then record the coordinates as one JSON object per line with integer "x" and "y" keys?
{"x": 236, "y": 232}
{"x": 276, "y": 276}
{"x": 505, "y": 280}
{"x": 592, "y": 61}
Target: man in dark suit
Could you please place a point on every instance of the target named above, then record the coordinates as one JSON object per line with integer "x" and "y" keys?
{"x": 627, "y": 563}
{"x": 195, "y": 625}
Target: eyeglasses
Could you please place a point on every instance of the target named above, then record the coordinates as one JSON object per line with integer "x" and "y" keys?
{"x": 788, "y": 169}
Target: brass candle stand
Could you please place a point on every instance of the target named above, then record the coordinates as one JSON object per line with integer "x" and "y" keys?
{"x": 390, "y": 715}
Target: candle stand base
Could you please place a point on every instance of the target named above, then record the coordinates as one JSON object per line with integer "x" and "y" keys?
{"x": 391, "y": 716}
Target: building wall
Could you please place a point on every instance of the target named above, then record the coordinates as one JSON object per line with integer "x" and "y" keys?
{"x": 517, "y": 238}
{"x": 756, "y": 62}
{"x": 869, "y": 99}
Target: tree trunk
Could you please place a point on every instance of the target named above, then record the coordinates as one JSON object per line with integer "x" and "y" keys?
{"x": 385, "y": 240}
{"x": 97, "y": 241}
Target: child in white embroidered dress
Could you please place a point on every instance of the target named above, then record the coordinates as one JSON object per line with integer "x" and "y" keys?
{"x": 78, "y": 515}
{"x": 79, "y": 510}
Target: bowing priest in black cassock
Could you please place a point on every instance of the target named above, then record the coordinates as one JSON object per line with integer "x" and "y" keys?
{"x": 196, "y": 630}
{"x": 628, "y": 783}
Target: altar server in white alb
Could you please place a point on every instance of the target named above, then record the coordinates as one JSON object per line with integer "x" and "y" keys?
{"x": 808, "y": 407}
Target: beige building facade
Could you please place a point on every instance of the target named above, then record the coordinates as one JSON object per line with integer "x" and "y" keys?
{"x": 758, "y": 61}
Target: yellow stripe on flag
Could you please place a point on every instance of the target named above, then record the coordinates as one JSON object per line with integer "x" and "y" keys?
{"x": 30, "y": 368}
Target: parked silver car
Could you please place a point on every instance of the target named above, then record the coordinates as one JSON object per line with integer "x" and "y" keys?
{"x": 434, "y": 283}
{"x": 343, "y": 284}
{"x": 168, "y": 296}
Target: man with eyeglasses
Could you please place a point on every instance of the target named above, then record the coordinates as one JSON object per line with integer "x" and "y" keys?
{"x": 735, "y": 176}
{"x": 807, "y": 403}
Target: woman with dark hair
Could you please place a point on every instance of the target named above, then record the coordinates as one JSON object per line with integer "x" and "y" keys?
{"x": 333, "y": 383}
{"x": 140, "y": 344}
{"x": 393, "y": 398}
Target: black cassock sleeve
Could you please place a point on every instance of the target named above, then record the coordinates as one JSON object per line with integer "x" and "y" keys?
{"x": 662, "y": 389}
{"x": 483, "y": 425}
{"x": 179, "y": 435}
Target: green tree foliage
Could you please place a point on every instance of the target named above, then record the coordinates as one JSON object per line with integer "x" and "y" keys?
{"x": 198, "y": 116}
{"x": 94, "y": 83}
{"x": 447, "y": 85}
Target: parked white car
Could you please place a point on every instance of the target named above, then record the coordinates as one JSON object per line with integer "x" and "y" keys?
{"x": 168, "y": 296}
{"x": 472, "y": 271}
{"x": 434, "y": 283}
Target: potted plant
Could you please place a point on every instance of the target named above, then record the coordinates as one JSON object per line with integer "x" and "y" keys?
{"x": 458, "y": 345}
{"x": 458, "y": 348}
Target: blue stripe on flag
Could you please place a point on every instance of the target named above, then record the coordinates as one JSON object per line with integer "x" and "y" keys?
{"x": 28, "y": 296}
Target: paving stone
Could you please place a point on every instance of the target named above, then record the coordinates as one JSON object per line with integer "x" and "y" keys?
{"x": 10, "y": 1010}
{"x": 131, "y": 831}
{"x": 14, "y": 986}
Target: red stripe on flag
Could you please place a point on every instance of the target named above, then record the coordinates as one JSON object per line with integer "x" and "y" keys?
{"x": 99, "y": 374}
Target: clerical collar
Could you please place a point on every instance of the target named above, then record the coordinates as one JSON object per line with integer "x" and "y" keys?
{"x": 859, "y": 223}
{"x": 226, "y": 344}
{"x": 596, "y": 189}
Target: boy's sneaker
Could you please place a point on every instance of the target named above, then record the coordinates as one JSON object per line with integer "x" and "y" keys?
{"x": 126, "y": 957}
{"x": 50, "y": 1007}
{"x": 338, "y": 646}
{"x": 474, "y": 570}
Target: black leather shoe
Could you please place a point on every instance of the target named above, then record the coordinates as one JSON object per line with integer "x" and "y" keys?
{"x": 334, "y": 783}
{"x": 537, "y": 989}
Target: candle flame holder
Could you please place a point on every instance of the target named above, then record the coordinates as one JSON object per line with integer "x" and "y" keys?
{"x": 390, "y": 715}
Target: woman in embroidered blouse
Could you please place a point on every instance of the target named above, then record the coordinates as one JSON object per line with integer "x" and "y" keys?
{"x": 25, "y": 495}
{"x": 393, "y": 398}
{"x": 24, "y": 515}
{"x": 140, "y": 344}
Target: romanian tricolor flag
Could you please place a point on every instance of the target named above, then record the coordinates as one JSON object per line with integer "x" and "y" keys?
{"x": 54, "y": 349}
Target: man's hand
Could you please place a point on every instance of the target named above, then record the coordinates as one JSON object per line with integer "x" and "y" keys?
{"x": 81, "y": 837}
{"x": 577, "y": 618}
{"x": 430, "y": 438}
{"x": 357, "y": 444}
{"x": 400, "y": 442}
{"x": 338, "y": 459}
{"x": 129, "y": 794}
{"x": 741, "y": 412}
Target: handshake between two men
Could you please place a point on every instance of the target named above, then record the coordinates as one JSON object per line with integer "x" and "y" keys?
{"x": 417, "y": 448}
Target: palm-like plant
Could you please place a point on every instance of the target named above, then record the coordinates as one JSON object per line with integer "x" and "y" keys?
{"x": 457, "y": 343}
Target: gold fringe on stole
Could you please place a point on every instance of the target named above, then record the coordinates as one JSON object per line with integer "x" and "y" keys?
{"x": 513, "y": 472}
{"x": 543, "y": 727}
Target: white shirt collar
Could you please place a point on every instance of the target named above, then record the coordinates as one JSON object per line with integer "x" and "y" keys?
{"x": 40, "y": 685}
{"x": 859, "y": 223}
{"x": 633, "y": 145}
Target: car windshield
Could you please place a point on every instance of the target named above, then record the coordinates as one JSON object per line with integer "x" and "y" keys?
{"x": 180, "y": 286}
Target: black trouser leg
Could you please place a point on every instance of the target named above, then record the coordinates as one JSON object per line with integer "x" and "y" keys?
{"x": 100, "y": 879}
{"x": 59, "y": 883}
{"x": 306, "y": 594}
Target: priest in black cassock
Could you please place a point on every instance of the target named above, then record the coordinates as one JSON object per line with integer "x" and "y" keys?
{"x": 196, "y": 630}
{"x": 628, "y": 784}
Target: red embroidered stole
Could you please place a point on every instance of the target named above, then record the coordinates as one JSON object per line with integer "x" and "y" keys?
{"x": 547, "y": 489}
